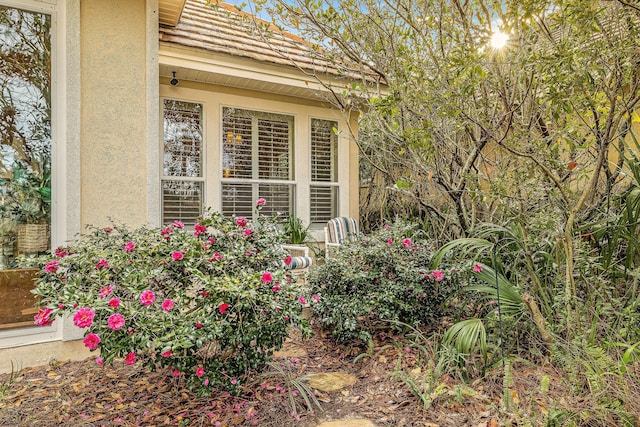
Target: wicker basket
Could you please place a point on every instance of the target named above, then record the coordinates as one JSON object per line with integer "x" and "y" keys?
{"x": 33, "y": 238}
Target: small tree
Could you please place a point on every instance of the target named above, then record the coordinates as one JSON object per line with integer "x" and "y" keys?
{"x": 471, "y": 133}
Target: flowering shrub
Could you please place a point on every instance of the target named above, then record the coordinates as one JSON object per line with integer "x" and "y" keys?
{"x": 381, "y": 277}
{"x": 208, "y": 304}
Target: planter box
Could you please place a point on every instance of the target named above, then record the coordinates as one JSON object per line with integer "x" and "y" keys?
{"x": 17, "y": 303}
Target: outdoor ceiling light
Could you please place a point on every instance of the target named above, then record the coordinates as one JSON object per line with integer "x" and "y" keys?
{"x": 174, "y": 81}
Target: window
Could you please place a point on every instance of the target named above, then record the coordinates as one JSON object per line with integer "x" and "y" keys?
{"x": 25, "y": 155}
{"x": 257, "y": 161}
{"x": 182, "y": 172}
{"x": 324, "y": 175}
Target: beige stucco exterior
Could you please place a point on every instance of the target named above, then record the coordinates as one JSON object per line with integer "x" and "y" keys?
{"x": 113, "y": 112}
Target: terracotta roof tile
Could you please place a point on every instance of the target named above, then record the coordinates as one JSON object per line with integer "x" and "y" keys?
{"x": 221, "y": 28}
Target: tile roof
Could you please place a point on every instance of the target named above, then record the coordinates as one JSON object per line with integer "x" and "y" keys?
{"x": 221, "y": 28}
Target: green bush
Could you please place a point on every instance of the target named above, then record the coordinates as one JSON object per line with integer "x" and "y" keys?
{"x": 209, "y": 304}
{"x": 380, "y": 280}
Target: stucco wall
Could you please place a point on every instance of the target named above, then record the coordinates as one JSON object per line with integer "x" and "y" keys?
{"x": 113, "y": 112}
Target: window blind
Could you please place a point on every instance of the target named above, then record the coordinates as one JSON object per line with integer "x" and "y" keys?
{"x": 182, "y": 181}
{"x": 257, "y": 162}
{"x": 324, "y": 176}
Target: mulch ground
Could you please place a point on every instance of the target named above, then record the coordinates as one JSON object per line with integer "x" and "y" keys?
{"x": 84, "y": 394}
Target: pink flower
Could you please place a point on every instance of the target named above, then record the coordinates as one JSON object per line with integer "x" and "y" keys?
{"x": 129, "y": 247}
{"x": 199, "y": 372}
{"x": 106, "y": 291}
{"x": 51, "y": 267}
{"x": 177, "y": 255}
{"x": 477, "y": 268}
{"x": 199, "y": 229}
{"x": 261, "y": 202}
{"x": 91, "y": 341}
{"x": 276, "y": 288}
{"x": 437, "y": 275}
{"x": 177, "y": 224}
{"x": 99, "y": 361}
{"x": 167, "y": 305}
{"x": 267, "y": 278}
{"x": 167, "y": 353}
{"x": 386, "y": 226}
{"x": 217, "y": 256}
{"x": 205, "y": 293}
{"x": 223, "y": 308}
{"x": 234, "y": 381}
{"x": 147, "y": 297}
{"x": 206, "y": 382}
{"x": 390, "y": 241}
{"x": 102, "y": 264}
{"x": 302, "y": 300}
{"x": 114, "y": 303}
{"x": 241, "y": 221}
{"x": 130, "y": 359}
{"x": 198, "y": 325}
{"x": 248, "y": 232}
{"x": 315, "y": 297}
{"x": 166, "y": 231}
{"x": 116, "y": 321}
{"x": 406, "y": 243}
{"x": 43, "y": 318}
{"x": 287, "y": 260}
{"x": 176, "y": 373}
{"x": 83, "y": 318}
{"x": 61, "y": 252}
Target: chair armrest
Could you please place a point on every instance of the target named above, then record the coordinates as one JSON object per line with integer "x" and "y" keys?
{"x": 300, "y": 248}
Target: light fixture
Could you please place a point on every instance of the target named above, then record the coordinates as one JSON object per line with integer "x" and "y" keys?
{"x": 174, "y": 81}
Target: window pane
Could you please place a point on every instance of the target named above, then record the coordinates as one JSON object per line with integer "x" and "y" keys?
{"x": 323, "y": 203}
{"x": 236, "y": 147}
{"x": 182, "y": 139}
{"x": 237, "y": 199}
{"x": 181, "y": 201}
{"x": 323, "y": 151}
{"x": 279, "y": 198}
{"x": 25, "y": 156}
{"x": 324, "y": 147}
{"x": 240, "y": 199}
{"x": 273, "y": 149}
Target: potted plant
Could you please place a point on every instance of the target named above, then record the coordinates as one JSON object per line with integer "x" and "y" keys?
{"x": 295, "y": 232}
{"x": 28, "y": 202}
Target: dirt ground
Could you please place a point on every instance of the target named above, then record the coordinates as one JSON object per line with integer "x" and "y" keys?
{"x": 84, "y": 394}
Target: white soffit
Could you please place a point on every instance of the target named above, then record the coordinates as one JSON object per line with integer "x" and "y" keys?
{"x": 243, "y": 73}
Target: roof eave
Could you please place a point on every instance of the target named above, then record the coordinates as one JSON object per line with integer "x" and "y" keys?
{"x": 215, "y": 68}
{"x": 169, "y": 12}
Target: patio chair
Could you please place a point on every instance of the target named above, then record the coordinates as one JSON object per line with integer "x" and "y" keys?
{"x": 338, "y": 231}
{"x": 299, "y": 265}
